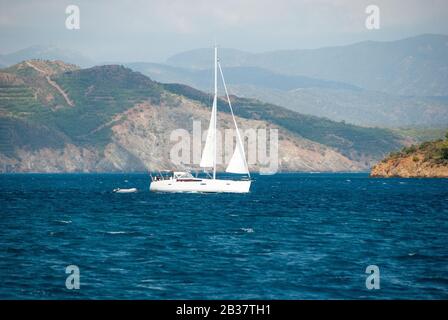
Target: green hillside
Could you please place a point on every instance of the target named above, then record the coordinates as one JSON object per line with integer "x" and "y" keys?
{"x": 425, "y": 160}
{"x": 353, "y": 141}
{"x": 99, "y": 94}
{"x": 433, "y": 151}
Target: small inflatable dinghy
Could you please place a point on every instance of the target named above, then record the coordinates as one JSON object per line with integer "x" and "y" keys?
{"x": 119, "y": 190}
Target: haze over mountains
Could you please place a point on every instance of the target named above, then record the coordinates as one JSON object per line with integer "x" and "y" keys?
{"x": 389, "y": 84}
{"x": 401, "y": 83}
{"x": 334, "y": 100}
{"x": 47, "y": 52}
{"x": 414, "y": 66}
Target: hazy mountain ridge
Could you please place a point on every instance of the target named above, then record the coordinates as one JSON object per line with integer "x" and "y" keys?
{"x": 411, "y": 66}
{"x": 360, "y": 107}
{"x": 368, "y": 83}
{"x": 201, "y": 78}
{"x": 121, "y": 120}
{"x": 46, "y": 52}
{"x": 334, "y": 100}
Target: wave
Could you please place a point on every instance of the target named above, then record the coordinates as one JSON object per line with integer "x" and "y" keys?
{"x": 63, "y": 221}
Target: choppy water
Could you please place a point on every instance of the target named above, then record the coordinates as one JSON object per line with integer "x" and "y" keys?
{"x": 295, "y": 236}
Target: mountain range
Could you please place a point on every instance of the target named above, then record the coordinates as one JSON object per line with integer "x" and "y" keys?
{"x": 393, "y": 84}
{"x": 401, "y": 83}
{"x": 57, "y": 117}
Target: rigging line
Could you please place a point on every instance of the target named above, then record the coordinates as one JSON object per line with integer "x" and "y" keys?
{"x": 233, "y": 117}
{"x": 210, "y": 90}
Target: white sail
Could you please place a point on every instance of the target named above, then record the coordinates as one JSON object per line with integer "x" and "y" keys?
{"x": 209, "y": 152}
{"x": 238, "y": 163}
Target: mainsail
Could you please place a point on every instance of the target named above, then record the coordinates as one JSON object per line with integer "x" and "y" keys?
{"x": 209, "y": 152}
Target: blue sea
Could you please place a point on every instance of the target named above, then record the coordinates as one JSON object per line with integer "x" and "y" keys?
{"x": 294, "y": 236}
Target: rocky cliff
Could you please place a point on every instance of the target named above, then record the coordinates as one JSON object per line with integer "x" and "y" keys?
{"x": 427, "y": 160}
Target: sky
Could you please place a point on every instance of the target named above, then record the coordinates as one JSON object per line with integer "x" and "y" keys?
{"x": 153, "y": 30}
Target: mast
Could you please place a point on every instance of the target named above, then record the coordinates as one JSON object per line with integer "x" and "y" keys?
{"x": 215, "y": 98}
{"x": 209, "y": 153}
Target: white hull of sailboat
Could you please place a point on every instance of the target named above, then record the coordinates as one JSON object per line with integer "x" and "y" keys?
{"x": 201, "y": 185}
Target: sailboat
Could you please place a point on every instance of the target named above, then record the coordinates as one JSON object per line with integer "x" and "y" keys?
{"x": 180, "y": 181}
